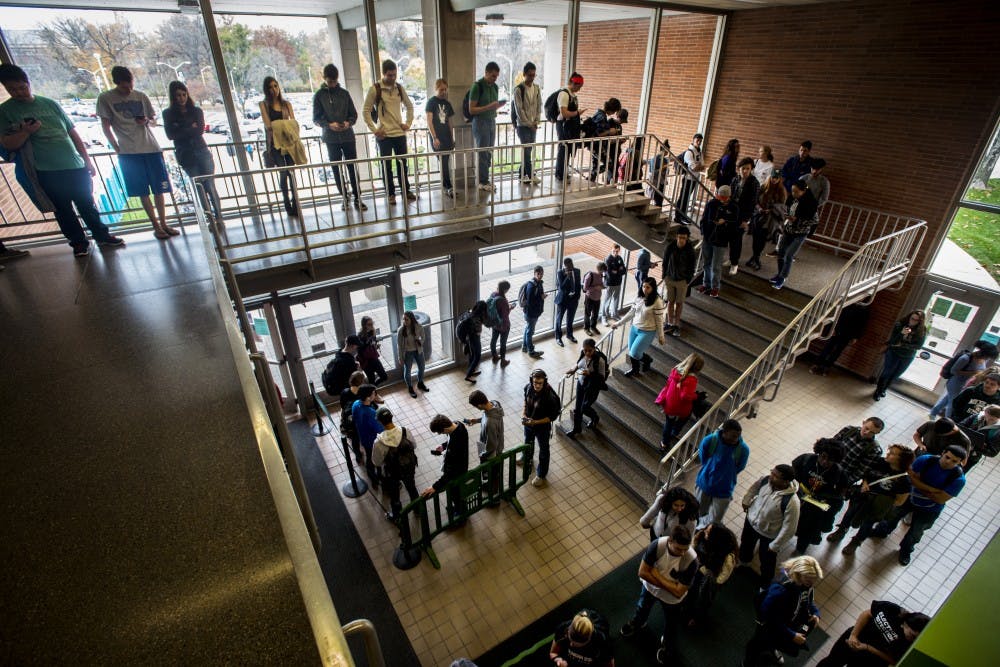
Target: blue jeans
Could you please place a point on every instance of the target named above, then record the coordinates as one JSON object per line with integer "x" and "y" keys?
{"x": 788, "y": 247}
{"x": 712, "y": 258}
{"x": 541, "y": 433}
{"x": 526, "y": 135}
{"x": 952, "y": 388}
{"x": 475, "y": 354}
{"x": 389, "y": 146}
{"x": 672, "y": 615}
{"x": 200, "y": 163}
{"x": 66, "y": 187}
{"x": 529, "y": 333}
{"x": 484, "y": 134}
{"x": 893, "y": 365}
{"x": 501, "y": 337}
{"x": 639, "y": 341}
{"x": 408, "y": 359}
{"x": 923, "y": 518}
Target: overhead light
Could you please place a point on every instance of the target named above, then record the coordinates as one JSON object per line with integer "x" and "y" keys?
{"x": 494, "y": 19}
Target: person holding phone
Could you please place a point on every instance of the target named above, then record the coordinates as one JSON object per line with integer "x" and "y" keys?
{"x": 126, "y": 118}
{"x": 484, "y": 100}
{"x": 62, "y": 169}
{"x": 904, "y": 342}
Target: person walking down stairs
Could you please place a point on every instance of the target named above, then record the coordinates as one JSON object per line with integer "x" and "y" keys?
{"x": 647, "y": 314}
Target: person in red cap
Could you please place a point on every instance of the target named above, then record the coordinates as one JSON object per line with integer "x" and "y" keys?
{"x": 568, "y": 122}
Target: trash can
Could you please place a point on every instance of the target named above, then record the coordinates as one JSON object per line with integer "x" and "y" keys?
{"x": 424, "y": 320}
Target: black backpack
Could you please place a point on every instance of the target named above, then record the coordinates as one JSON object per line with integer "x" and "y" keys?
{"x": 552, "y": 106}
{"x": 679, "y": 164}
{"x": 463, "y": 327}
{"x": 401, "y": 460}
{"x": 466, "y": 112}
{"x": 522, "y": 296}
{"x": 946, "y": 372}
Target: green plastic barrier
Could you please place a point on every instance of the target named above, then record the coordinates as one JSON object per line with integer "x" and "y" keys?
{"x": 492, "y": 482}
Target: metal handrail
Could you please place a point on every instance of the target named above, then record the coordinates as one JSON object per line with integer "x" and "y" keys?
{"x": 881, "y": 261}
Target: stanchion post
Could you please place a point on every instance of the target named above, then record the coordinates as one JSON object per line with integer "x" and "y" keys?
{"x": 356, "y": 487}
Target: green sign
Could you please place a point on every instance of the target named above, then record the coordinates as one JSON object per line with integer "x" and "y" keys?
{"x": 260, "y": 326}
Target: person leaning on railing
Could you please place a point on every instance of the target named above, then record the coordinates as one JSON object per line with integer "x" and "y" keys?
{"x": 184, "y": 124}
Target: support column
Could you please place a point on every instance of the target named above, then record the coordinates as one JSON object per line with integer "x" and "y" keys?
{"x": 430, "y": 11}
{"x": 371, "y": 25}
{"x": 652, "y": 46}
{"x": 457, "y": 39}
{"x": 551, "y": 75}
{"x": 225, "y": 85}
{"x": 6, "y": 57}
{"x": 712, "y": 79}
{"x": 572, "y": 37}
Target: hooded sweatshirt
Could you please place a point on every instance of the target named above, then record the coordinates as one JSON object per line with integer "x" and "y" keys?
{"x": 720, "y": 465}
{"x": 491, "y": 432}
{"x": 389, "y": 438}
{"x": 766, "y": 516}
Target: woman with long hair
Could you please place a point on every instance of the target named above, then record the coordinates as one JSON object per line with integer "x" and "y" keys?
{"x": 767, "y": 216}
{"x": 274, "y": 107}
{"x": 410, "y": 342}
{"x": 184, "y": 124}
{"x": 904, "y": 342}
{"x": 763, "y": 165}
{"x": 647, "y": 314}
{"x": 675, "y": 506}
{"x": 368, "y": 352}
{"x": 787, "y": 613}
{"x": 678, "y": 396}
{"x": 727, "y": 163}
{"x": 717, "y": 551}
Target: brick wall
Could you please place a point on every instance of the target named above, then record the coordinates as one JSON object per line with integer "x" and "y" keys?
{"x": 896, "y": 95}
{"x": 610, "y": 55}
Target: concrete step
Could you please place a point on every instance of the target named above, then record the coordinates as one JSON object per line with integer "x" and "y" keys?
{"x": 644, "y": 428}
{"x": 751, "y": 302}
{"x": 743, "y": 319}
{"x": 724, "y": 327}
{"x": 757, "y": 283}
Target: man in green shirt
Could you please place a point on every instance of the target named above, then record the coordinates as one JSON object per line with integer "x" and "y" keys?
{"x": 52, "y": 161}
{"x": 483, "y": 105}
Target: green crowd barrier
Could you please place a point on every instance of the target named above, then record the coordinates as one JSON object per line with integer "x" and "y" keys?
{"x": 492, "y": 482}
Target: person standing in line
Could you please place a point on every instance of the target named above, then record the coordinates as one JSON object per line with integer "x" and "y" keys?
{"x": 502, "y": 307}
{"x": 614, "y": 275}
{"x": 861, "y": 449}
{"x": 593, "y": 287}
{"x": 717, "y": 550}
{"x": 880, "y": 637}
{"x": 934, "y": 480}
{"x": 966, "y": 364}
{"x": 334, "y": 111}
{"x": 972, "y": 400}
{"x": 605, "y": 124}
{"x": 673, "y": 506}
{"x": 456, "y": 457}
{"x": 767, "y": 217}
{"x": 369, "y": 356}
{"x": 342, "y": 366}
{"x": 368, "y": 428}
{"x": 745, "y": 190}
{"x": 787, "y": 614}
{"x": 719, "y": 223}
{"x": 772, "y": 508}
{"x": 643, "y": 265}
{"x": 274, "y": 108}
{"x": 63, "y": 169}
{"x": 533, "y": 306}
{"x": 882, "y": 490}
{"x": 647, "y": 315}
{"x": 798, "y": 225}
{"x": 679, "y": 262}
{"x": 817, "y": 183}
{"x": 383, "y": 114}
{"x": 410, "y": 343}
{"x": 126, "y": 116}
{"x": 184, "y": 124}
{"x": 850, "y": 326}
{"x": 678, "y": 396}
{"x": 469, "y": 331}
{"x": 483, "y": 104}
{"x": 591, "y": 372}
{"x": 584, "y": 642}
{"x": 567, "y": 299}
{"x": 568, "y": 123}
{"x": 347, "y": 397}
{"x": 905, "y": 340}
{"x": 820, "y": 477}
{"x": 987, "y": 425}
{"x": 439, "y": 112}
{"x": 527, "y": 107}
{"x": 541, "y": 408}
{"x": 727, "y": 163}
{"x": 396, "y": 456}
{"x": 763, "y": 166}
{"x": 490, "y": 444}
{"x": 693, "y": 160}
{"x": 797, "y": 166}
{"x": 724, "y": 455}
{"x": 933, "y": 437}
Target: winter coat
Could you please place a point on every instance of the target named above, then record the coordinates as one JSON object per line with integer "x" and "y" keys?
{"x": 763, "y": 503}
{"x": 678, "y": 395}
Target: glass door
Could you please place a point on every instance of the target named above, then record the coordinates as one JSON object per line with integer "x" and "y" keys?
{"x": 375, "y": 298}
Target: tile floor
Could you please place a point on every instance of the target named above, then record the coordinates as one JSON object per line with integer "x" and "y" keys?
{"x": 501, "y": 571}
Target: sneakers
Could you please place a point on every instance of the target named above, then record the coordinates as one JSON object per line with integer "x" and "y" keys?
{"x": 701, "y": 289}
{"x": 112, "y": 242}
{"x": 486, "y": 187}
{"x": 538, "y": 482}
{"x": 526, "y": 179}
{"x": 535, "y": 354}
{"x": 13, "y": 253}
{"x": 81, "y": 249}
{"x": 837, "y": 535}
{"x": 734, "y": 269}
{"x": 714, "y": 294}
{"x": 676, "y": 332}
{"x": 392, "y": 200}
{"x": 850, "y": 548}
{"x": 630, "y": 628}
{"x": 560, "y": 343}
{"x": 752, "y": 264}
{"x": 726, "y": 264}
{"x": 778, "y": 284}
{"x": 410, "y": 196}
{"x": 669, "y": 329}
{"x": 449, "y": 193}
{"x": 360, "y": 205}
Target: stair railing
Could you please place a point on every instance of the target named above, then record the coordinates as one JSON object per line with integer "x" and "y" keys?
{"x": 881, "y": 263}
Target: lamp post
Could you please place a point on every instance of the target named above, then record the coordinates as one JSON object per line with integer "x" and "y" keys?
{"x": 202, "y": 72}
{"x": 177, "y": 69}
{"x": 100, "y": 68}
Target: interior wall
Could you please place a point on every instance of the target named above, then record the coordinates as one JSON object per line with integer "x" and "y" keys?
{"x": 899, "y": 96}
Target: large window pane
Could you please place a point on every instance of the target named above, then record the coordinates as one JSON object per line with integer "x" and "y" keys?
{"x": 427, "y": 292}
{"x": 517, "y": 266}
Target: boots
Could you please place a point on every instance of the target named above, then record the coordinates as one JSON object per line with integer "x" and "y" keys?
{"x": 837, "y": 535}
{"x": 851, "y": 547}
{"x": 634, "y": 370}
{"x": 647, "y": 362}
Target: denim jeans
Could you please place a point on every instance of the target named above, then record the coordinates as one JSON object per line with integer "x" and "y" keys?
{"x": 501, "y": 337}
{"x": 529, "y": 333}
{"x": 788, "y": 247}
{"x": 565, "y": 151}
{"x": 712, "y": 258}
{"x": 346, "y": 150}
{"x": 526, "y": 135}
{"x": 609, "y": 307}
{"x": 541, "y": 434}
{"x": 681, "y": 213}
{"x": 893, "y": 365}
{"x": 923, "y": 518}
{"x": 768, "y": 559}
{"x": 639, "y": 341}
{"x": 475, "y": 354}
{"x": 66, "y": 187}
{"x": 712, "y": 509}
{"x": 672, "y": 615}
{"x": 200, "y": 163}
{"x": 390, "y": 146}
{"x": 408, "y": 359}
{"x": 484, "y": 134}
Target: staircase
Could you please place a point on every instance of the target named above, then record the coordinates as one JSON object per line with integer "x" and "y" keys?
{"x": 729, "y": 332}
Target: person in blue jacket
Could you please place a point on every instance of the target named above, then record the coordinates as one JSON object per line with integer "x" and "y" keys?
{"x": 786, "y": 614}
{"x": 723, "y": 455}
{"x": 367, "y": 426}
{"x": 533, "y": 306}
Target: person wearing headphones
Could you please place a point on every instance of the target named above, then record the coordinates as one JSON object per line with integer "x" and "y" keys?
{"x": 541, "y": 408}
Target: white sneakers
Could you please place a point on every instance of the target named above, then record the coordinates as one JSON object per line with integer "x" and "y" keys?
{"x": 486, "y": 187}
{"x": 538, "y": 482}
{"x": 734, "y": 269}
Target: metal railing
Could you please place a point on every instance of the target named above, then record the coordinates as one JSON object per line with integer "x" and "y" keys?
{"x": 880, "y": 263}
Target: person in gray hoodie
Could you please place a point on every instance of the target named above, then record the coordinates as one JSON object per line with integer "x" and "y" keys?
{"x": 772, "y": 507}
{"x": 398, "y": 464}
{"x": 490, "y": 443}
{"x": 333, "y": 110}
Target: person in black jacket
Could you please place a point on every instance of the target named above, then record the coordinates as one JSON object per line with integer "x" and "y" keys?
{"x": 591, "y": 370}
{"x": 745, "y": 191}
{"x": 184, "y": 124}
{"x": 679, "y": 261}
{"x": 798, "y": 224}
{"x": 333, "y": 110}
{"x": 850, "y": 326}
{"x": 339, "y": 370}
{"x": 718, "y": 223}
{"x": 541, "y": 408}
{"x": 568, "y": 286}
{"x": 613, "y": 277}
{"x": 456, "y": 455}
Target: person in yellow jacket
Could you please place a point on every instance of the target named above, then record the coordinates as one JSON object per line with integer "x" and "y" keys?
{"x": 383, "y": 113}
{"x": 273, "y": 108}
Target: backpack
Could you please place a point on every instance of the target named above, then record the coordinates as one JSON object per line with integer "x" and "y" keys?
{"x": 463, "y": 326}
{"x": 946, "y": 372}
{"x": 588, "y": 129}
{"x": 552, "y": 106}
{"x": 715, "y": 442}
{"x": 519, "y": 88}
{"x": 493, "y": 319}
{"x": 466, "y": 111}
{"x": 522, "y": 295}
{"x": 713, "y": 170}
{"x": 327, "y": 379}
{"x": 401, "y": 460}
{"x": 679, "y": 165}
{"x": 785, "y": 499}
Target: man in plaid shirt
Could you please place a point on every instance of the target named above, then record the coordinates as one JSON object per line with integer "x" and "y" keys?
{"x": 861, "y": 449}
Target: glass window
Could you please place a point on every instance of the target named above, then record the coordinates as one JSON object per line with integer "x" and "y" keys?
{"x": 517, "y": 266}
{"x": 317, "y": 335}
{"x": 427, "y": 292}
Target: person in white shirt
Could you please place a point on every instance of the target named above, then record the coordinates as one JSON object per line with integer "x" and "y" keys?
{"x": 527, "y": 107}
{"x": 764, "y": 164}
{"x": 693, "y": 160}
